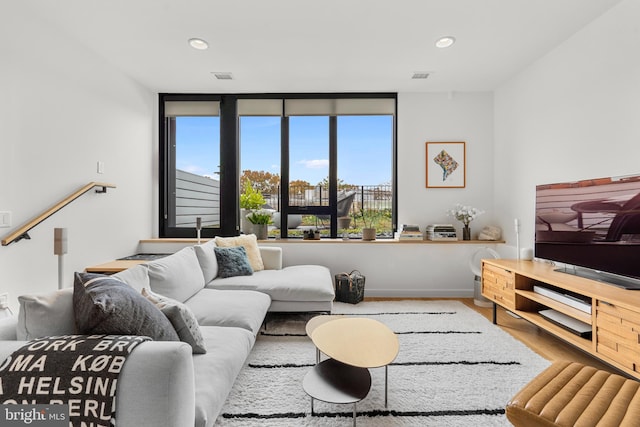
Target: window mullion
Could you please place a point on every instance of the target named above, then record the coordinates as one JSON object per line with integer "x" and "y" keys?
{"x": 170, "y": 212}
{"x": 333, "y": 174}
{"x": 284, "y": 176}
{"x": 229, "y": 170}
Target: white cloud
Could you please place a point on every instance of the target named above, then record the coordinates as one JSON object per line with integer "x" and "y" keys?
{"x": 195, "y": 169}
{"x": 315, "y": 164}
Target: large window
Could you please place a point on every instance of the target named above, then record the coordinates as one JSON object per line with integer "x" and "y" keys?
{"x": 319, "y": 162}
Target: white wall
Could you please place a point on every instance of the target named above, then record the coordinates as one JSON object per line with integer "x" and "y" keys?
{"x": 64, "y": 108}
{"x": 395, "y": 269}
{"x": 441, "y": 117}
{"x": 573, "y": 114}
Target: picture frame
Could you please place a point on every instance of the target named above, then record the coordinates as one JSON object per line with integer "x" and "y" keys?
{"x": 446, "y": 164}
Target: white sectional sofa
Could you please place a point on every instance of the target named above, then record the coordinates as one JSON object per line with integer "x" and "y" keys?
{"x": 163, "y": 383}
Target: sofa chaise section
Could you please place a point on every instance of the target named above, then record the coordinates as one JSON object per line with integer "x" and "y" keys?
{"x": 299, "y": 288}
{"x": 295, "y": 288}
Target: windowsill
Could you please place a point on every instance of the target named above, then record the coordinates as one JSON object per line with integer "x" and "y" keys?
{"x": 325, "y": 240}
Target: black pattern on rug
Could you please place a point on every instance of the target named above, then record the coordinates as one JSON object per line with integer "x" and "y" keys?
{"x": 377, "y": 413}
{"x": 450, "y": 371}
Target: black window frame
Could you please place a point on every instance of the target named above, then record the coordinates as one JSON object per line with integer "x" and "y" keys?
{"x": 230, "y": 163}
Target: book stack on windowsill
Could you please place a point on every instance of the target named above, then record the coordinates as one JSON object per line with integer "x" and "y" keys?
{"x": 410, "y": 232}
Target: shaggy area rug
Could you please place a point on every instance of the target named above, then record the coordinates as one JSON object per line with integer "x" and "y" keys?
{"x": 454, "y": 368}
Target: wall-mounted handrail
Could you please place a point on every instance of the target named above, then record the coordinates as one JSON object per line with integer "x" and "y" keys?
{"x": 23, "y": 231}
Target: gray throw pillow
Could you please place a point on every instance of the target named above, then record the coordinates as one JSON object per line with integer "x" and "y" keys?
{"x": 232, "y": 261}
{"x": 182, "y": 319}
{"x": 177, "y": 276}
{"x": 207, "y": 260}
{"x": 104, "y": 305}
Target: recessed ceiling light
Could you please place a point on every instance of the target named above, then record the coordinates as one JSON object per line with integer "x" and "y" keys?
{"x": 420, "y": 75}
{"x": 445, "y": 41}
{"x": 222, "y": 75}
{"x": 198, "y": 44}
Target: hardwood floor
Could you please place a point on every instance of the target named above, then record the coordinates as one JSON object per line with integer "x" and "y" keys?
{"x": 540, "y": 341}
{"x": 543, "y": 343}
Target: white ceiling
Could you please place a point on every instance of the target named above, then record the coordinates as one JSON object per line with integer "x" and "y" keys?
{"x": 320, "y": 46}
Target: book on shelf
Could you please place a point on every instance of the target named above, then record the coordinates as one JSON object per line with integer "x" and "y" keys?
{"x": 409, "y": 232}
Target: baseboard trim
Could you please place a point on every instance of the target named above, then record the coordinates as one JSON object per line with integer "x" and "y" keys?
{"x": 419, "y": 293}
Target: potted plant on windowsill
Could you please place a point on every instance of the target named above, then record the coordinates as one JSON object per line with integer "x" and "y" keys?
{"x": 250, "y": 200}
{"x": 369, "y": 217}
{"x": 260, "y": 220}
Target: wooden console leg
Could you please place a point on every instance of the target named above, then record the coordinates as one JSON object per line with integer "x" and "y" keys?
{"x": 495, "y": 313}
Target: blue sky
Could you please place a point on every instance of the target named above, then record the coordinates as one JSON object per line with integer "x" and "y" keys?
{"x": 364, "y": 147}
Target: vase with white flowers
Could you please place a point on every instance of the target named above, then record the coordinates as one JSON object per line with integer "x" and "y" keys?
{"x": 465, "y": 214}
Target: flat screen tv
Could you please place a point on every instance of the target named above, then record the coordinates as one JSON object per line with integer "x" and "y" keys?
{"x": 592, "y": 227}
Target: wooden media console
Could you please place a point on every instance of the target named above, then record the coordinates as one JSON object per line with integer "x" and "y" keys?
{"x": 614, "y": 316}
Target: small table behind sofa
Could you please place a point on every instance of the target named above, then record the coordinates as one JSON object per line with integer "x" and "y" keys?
{"x": 112, "y": 267}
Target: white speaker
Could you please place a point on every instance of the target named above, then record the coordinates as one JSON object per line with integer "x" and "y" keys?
{"x": 59, "y": 241}
{"x": 526, "y": 254}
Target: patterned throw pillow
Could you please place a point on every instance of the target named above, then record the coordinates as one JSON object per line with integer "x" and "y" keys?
{"x": 104, "y": 305}
{"x": 232, "y": 262}
{"x": 182, "y": 319}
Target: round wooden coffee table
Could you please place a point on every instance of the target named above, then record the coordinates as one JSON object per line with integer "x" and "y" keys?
{"x": 359, "y": 342}
{"x": 336, "y": 382}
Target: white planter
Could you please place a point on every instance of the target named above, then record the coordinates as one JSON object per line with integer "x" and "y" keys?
{"x": 245, "y": 224}
{"x": 260, "y": 230}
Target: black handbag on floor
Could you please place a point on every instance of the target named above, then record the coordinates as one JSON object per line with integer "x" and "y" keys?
{"x": 350, "y": 287}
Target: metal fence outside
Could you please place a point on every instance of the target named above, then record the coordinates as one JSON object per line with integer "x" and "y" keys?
{"x": 368, "y": 197}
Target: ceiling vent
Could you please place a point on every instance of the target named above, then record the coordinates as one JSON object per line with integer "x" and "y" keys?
{"x": 222, "y": 76}
{"x": 420, "y": 75}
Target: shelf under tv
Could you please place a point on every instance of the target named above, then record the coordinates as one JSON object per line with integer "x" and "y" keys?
{"x": 608, "y": 331}
{"x": 570, "y": 299}
{"x": 572, "y": 325}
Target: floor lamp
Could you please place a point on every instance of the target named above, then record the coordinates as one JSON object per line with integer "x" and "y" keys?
{"x": 60, "y": 248}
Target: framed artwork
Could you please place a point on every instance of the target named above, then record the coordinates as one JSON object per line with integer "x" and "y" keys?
{"x": 446, "y": 164}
